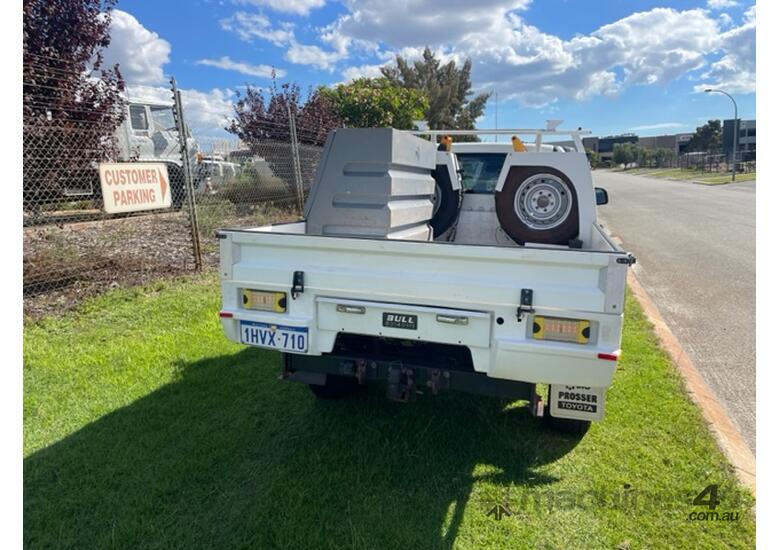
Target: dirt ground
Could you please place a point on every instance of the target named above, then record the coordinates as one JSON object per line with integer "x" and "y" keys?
{"x": 64, "y": 264}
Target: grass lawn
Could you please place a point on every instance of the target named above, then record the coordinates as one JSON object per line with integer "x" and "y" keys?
{"x": 144, "y": 427}
{"x": 691, "y": 175}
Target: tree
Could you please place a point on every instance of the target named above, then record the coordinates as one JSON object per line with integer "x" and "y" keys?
{"x": 707, "y": 138}
{"x": 593, "y": 157}
{"x": 71, "y": 104}
{"x": 447, "y": 88}
{"x": 624, "y": 153}
{"x": 663, "y": 157}
{"x": 377, "y": 102}
{"x": 262, "y": 121}
{"x": 258, "y": 118}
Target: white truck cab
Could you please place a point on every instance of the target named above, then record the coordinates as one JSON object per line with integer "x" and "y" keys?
{"x": 148, "y": 134}
{"x": 472, "y": 308}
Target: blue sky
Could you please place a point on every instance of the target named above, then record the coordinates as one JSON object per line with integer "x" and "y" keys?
{"x": 610, "y": 66}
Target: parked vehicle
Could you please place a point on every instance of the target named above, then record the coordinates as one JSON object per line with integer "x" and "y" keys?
{"x": 468, "y": 309}
{"x": 212, "y": 172}
{"x": 148, "y": 134}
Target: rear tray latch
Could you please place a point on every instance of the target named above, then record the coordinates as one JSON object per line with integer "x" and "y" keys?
{"x": 526, "y": 303}
{"x": 297, "y": 284}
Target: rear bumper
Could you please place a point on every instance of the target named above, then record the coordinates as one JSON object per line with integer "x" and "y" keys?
{"x": 504, "y": 358}
{"x": 403, "y": 380}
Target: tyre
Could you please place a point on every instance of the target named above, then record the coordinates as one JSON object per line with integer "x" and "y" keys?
{"x": 446, "y": 202}
{"x": 335, "y": 387}
{"x": 538, "y": 204}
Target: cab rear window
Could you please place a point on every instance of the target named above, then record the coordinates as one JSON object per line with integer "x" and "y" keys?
{"x": 480, "y": 171}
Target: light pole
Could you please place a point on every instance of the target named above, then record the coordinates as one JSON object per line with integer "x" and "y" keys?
{"x": 736, "y": 131}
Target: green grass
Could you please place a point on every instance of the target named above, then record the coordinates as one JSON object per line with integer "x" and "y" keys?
{"x": 144, "y": 427}
{"x": 716, "y": 180}
{"x": 689, "y": 175}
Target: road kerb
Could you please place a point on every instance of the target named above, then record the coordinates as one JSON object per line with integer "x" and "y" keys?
{"x": 726, "y": 434}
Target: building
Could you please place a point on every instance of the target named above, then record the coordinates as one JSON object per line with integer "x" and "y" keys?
{"x": 746, "y": 139}
{"x": 674, "y": 142}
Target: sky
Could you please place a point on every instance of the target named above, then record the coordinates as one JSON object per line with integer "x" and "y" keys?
{"x": 610, "y": 66}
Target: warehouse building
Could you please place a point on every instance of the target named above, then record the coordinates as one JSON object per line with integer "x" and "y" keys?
{"x": 746, "y": 139}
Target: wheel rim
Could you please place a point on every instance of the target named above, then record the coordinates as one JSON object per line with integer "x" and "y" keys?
{"x": 542, "y": 201}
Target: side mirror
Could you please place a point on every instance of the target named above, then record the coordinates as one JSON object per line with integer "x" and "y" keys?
{"x": 602, "y": 197}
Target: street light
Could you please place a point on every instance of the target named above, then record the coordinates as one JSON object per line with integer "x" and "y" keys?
{"x": 734, "y": 146}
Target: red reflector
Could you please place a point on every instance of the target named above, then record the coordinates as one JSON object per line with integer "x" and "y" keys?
{"x": 608, "y": 356}
{"x": 225, "y": 314}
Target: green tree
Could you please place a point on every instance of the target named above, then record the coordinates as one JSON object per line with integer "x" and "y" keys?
{"x": 593, "y": 157}
{"x": 624, "y": 153}
{"x": 377, "y": 103}
{"x": 662, "y": 157}
{"x": 707, "y": 138}
{"x": 447, "y": 88}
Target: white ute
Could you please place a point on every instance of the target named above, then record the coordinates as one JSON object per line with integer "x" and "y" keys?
{"x": 466, "y": 309}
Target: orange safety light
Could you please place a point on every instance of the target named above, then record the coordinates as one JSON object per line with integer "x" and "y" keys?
{"x": 518, "y": 145}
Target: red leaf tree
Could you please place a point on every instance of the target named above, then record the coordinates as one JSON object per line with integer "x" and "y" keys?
{"x": 72, "y": 105}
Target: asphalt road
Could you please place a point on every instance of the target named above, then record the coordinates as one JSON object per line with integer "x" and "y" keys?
{"x": 696, "y": 258}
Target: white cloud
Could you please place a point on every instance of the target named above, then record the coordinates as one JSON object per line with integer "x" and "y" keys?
{"x": 420, "y": 22}
{"x": 721, "y": 4}
{"x": 302, "y": 54}
{"x": 140, "y": 52}
{"x": 250, "y": 26}
{"x": 205, "y": 112}
{"x": 658, "y": 126}
{"x": 520, "y": 61}
{"x": 298, "y": 7}
{"x": 363, "y": 71}
{"x": 735, "y": 71}
{"x": 224, "y": 62}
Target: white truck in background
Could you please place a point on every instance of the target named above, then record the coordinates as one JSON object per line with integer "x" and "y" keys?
{"x": 466, "y": 305}
{"x": 148, "y": 134}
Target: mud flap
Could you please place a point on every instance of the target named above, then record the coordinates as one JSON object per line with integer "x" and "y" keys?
{"x": 577, "y": 402}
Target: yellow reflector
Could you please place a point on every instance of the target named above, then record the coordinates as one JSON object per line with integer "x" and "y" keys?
{"x": 561, "y": 330}
{"x": 264, "y": 300}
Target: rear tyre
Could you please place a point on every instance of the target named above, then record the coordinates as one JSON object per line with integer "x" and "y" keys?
{"x": 335, "y": 387}
{"x": 538, "y": 204}
{"x": 446, "y": 202}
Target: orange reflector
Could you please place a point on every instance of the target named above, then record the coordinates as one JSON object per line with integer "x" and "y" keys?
{"x": 609, "y": 356}
{"x": 225, "y": 315}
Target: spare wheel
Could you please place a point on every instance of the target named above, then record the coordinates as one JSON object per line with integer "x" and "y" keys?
{"x": 446, "y": 201}
{"x": 538, "y": 204}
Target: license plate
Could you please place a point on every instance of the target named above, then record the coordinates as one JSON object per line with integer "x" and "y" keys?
{"x": 266, "y": 335}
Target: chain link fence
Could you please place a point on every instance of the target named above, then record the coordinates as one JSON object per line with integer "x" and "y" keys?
{"x": 73, "y": 249}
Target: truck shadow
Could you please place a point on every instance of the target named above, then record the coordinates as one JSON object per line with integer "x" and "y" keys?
{"x": 227, "y": 456}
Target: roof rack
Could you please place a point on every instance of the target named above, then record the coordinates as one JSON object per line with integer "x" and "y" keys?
{"x": 551, "y": 130}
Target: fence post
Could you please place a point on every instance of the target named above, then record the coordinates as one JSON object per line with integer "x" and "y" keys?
{"x": 181, "y": 127}
{"x": 296, "y": 160}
